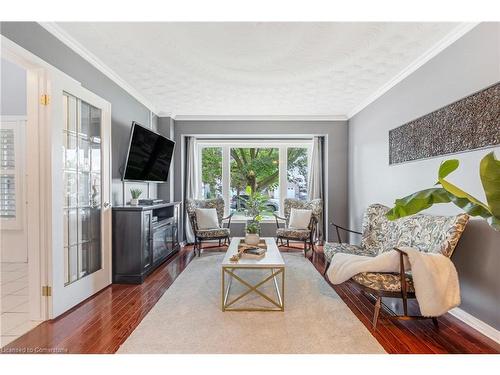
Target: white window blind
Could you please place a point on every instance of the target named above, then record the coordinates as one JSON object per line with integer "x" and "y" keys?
{"x": 7, "y": 176}
{"x": 11, "y": 171}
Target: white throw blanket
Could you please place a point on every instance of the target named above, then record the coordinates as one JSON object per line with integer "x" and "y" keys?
{"x": 434, "y": 276}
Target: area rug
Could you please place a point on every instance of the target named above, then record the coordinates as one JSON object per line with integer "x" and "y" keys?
{"x": 188, "y": 318}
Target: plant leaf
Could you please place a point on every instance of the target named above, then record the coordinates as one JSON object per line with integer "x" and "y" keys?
{"x": 417, "y": 202}
{"x": 447, "y": 167}
{"x": 489, "y": 170}
{"x": 467, "y": 202}
{"x": 448, "y": 192}
{"x": 470, "y": 207}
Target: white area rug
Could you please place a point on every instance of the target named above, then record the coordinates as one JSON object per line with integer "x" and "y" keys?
{"x": 188, "y": 318}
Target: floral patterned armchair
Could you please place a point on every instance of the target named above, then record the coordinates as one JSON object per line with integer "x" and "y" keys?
{"x": 428, "y": 233}
{"x": 303, "y": 235}
{"x": 222, "y": 233}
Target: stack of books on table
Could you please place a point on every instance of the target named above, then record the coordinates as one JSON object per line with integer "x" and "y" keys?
{"x": 252, "y": 252}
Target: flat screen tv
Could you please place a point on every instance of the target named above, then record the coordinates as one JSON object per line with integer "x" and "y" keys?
{"x": 149, "y": 155}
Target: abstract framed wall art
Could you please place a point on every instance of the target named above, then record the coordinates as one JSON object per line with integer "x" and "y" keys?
{"x": 468, "y": 124}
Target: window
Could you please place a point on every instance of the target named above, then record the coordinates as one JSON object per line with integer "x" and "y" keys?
{"x": 11, "y": 171}
{"x": 254, "y": 170}
{"x": 81, "y": 155}
{"x": 211, "y": 174}
{"x": 296, "y": 174}
{"x": 271, "y": 169}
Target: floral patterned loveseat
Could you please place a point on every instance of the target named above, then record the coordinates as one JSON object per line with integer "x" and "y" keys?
{"x": 428, "y": 233}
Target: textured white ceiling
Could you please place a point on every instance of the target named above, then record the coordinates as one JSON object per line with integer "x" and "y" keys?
{"x": 257, "y": 69}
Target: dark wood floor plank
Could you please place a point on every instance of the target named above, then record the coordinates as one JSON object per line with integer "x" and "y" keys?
{"x": 102, "y": 323}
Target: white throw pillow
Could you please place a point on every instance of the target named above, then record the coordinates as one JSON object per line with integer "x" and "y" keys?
{"x": 299, "y": 219}
{"x": 207, "y": 218}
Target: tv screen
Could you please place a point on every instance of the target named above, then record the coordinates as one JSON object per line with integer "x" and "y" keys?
{"x": 149, "y": 155}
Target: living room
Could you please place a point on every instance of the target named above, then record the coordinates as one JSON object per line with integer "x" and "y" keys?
{"x": 259, "y": 186}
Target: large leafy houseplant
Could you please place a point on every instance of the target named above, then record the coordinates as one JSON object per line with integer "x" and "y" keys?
{"x": 255, "y": 203}
{"x": 446, "y": 192}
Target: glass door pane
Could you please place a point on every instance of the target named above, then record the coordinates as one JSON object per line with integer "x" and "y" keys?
{"x": 82, "y": 188}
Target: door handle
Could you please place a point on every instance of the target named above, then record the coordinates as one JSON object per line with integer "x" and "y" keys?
{"x": 106, "y": 204}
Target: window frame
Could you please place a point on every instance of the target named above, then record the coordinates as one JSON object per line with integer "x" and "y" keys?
{"x": 18, "y": 125}
{"x": 226, "y": 144}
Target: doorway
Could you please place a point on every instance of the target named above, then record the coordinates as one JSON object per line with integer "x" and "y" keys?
{"x": 55, "y": 215}
{"x": 19, "y": 312}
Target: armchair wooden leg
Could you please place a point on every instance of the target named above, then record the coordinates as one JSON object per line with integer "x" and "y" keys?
{"x": 305, "y": 249}
{"x": 199, "y": 248}
{"x": 287, "y": 243}
{"x": 435, "y": 321}
{"x": 376, "y": 312}
{"x": 220, "y": 244}
{"x": 405, "y": 304}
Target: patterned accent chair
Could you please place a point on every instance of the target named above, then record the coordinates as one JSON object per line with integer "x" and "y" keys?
{"x": 427, "y": 233}
{"x": 222, "y": 233}
{"x": 303, "y": 235}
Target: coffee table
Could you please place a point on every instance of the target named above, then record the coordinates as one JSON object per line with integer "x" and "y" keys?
{"x": 272, "y": 261}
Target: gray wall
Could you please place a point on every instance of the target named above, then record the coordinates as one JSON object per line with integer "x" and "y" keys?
{"x": 470, "y": 64}
{"x": 125, "y": 108}
{"x": 13, "y": 89}
{"x": 335, "y": 150}
{"x": 166, "y": 127}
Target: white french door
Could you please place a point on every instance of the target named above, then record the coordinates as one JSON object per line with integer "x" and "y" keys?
{"x": 79, "y": 137}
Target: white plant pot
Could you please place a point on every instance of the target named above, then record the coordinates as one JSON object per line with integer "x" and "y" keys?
{"x": 134, "y": 202}
{"x": 252, "y": 239}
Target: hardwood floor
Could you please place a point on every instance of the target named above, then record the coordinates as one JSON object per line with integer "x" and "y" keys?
{"x": 103, "y": 322}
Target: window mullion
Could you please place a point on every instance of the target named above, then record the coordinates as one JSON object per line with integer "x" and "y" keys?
{"x": 282, "y": 185}
{"x": 199, "y": 171}
{"x": 226, "y": 178}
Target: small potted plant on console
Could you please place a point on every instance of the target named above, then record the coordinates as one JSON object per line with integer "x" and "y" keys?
{"x": 135, "y": 193}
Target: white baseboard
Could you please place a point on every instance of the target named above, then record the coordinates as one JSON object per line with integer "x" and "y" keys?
{"x": 477, "y": 324}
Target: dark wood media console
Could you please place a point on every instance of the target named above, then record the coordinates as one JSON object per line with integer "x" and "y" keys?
{"x": 143, "y": 238}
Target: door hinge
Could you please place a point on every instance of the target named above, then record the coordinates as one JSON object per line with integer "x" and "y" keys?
{"x": 46, "y": 291}
{"x": 45, "y": 99}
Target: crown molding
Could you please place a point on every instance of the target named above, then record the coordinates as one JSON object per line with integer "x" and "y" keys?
{"x": 259, "y": 118}
{"x": 69, "y": 41}
{"x": 450, "y": 38}
{"x": 165, "y": 114}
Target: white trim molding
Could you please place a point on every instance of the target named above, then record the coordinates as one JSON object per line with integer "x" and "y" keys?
{"x": 259, "y": 118}
{"x": 97, "y": 63}
{"x": 477, "y": 324}
{"x": 450, "y": 38}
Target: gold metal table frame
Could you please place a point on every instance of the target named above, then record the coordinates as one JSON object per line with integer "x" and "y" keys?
{"x": 279, "y": 304}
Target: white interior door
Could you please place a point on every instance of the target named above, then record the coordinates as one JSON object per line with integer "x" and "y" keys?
{"x": 80, "y": 243}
